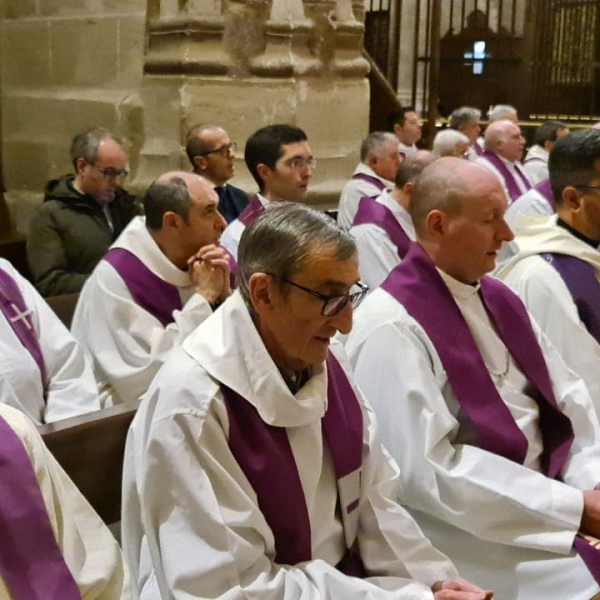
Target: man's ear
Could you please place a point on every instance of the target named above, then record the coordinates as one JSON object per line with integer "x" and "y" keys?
{"x": 80, "y": 164}
{"x": 436, "y": 223}
{"x": 571, "y": 198}
{"x": 263, "y": 171}
{"x": 171, "y": 221}
{"x": 261, "y": 289}
{"x": 200, "y": 163}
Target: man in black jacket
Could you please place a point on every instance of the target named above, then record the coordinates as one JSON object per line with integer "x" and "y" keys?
{"x": 81, "y": 215}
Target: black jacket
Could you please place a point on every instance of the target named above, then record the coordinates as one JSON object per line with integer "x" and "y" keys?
{"x": 70, "y": 234}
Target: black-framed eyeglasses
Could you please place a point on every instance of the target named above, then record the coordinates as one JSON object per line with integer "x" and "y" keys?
{"x": 111, "y": 173}
{"x": 587, "y": 187}
{"x": 332, "y": 305}
{"x": 225, "y": 150}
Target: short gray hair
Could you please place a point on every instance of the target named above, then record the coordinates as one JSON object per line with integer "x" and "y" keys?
{"x": 281, "y": 240}
{"x": 446, "y": 141}
{"x": 463, "y": 116}
{"x": 85, "y": 145}
{"x": 374, "y": 143}
{"x": 501, "y": 111}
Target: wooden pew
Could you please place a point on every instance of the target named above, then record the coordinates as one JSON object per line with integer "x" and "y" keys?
{"x": 90, "y": 449}
{"x": 64, "y": 307}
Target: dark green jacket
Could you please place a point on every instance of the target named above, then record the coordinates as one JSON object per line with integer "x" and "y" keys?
{"x": 69, "y": 235}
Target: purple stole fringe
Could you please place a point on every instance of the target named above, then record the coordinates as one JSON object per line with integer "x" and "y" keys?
{"x": 149, "y": 291}
{"x": 514, "y": 191}
{"x": 14, "y": 309}
{"x": 31, "y": 562}
{"x": 370, "y": 179}
{"x": 265, "y": 456}
{"x": 580, "y": 279}
{"x": 254, "y": 209}
{"x": 370, "y": 211}
{"x": 415, "y": 278}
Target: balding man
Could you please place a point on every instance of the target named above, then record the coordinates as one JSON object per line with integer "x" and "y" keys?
{"x": 503, "y": 152}
{"x": 162, "y": 278}
{"x": 376, "y": 172}
{"x": 382, "y": 227}
{"x": 497, "y": 440}
{"x": 211, "y": 153}
{"x": 82, "y": 215}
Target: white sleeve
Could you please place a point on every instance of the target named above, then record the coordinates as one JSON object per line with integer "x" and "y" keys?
{"x": 88, "y": 547}
{"x": 377, "y": 254}
{"x": 70, "y": 385}
{"x": 127, "y": 344}
{"x": 203, "y": 528}
{"x": 550, "y": 303}
{"x": 484, "y": 494}
{"x": 230, "y": 238}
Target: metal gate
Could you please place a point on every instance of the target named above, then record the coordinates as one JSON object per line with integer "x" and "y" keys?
{"x": 543, "y": 56}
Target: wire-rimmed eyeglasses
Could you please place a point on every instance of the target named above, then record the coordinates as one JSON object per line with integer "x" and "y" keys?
{"x": 111, "y": 173}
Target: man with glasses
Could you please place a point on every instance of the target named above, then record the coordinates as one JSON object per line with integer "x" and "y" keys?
{"x": 252, "y": 469}
{"x": 497, "y": 440}
{"x": 212, "y": 154}
{"x": 557, "y": 268}
{"x": 281, "y": 162}
{"x": 81, "y": 215}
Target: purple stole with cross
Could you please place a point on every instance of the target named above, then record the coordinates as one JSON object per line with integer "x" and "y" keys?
{"x": 14, "y": 309}
{"x": 265, "y": 456}
{"x": 31, "y": 562}
{"x": 514, "y": 191}
{"x": 371, "y": 211}
{"x": 370, "y": 179}
{"x": 545, "y": 190}
{"x": 580, "y": 279}
{"x": 416, "y": 278}
{"x": 153, "y": 294}
{"x": 254, "y": 209}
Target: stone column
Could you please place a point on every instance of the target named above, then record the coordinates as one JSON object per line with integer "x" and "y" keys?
{"x": 244, "y": 64}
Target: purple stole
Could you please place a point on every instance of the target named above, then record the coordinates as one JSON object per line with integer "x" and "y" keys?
{"x": 14, "y": 309}
{"x": 254, "y": 209}
{"x": 514, "y": 191}
{"x": 265, "y": 456}
{"x": 149, "y": 291}
{"x": 31, "y": 562}
{"x": 372, "y": 180}
{"x": 580, "y": 279}
{"x": 371, "y": 211}
{"x": 545, "y": 190}
{"x": 478, "y": 149}
{"x": 416, "y": 278}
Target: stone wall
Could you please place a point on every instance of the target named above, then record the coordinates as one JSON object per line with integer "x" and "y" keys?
{"x": 150, "y": 69}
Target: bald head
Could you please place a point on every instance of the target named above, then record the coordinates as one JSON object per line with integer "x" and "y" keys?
{"x": 504, "y": 139}
{"x": 173, "y": 192}
{"x": 443, "y": 185}
{"x": 458, "y": 210}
